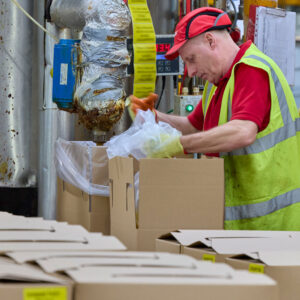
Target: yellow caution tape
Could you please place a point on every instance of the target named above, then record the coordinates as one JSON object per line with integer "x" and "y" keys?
{"x": 256, "y": 268}
{"x": 55, "y": 293}
{"x": 144, "y": 47}
{"x": 209, "y": 257}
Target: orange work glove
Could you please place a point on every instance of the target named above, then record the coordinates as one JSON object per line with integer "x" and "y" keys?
{"x": 142, "y": 104}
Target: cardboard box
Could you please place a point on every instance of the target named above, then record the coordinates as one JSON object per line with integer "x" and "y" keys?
{"x": 211, "y": 281}
{"x": 282, "y": 266}
{"x": 76, "y": 205}
{"x": 173, "y": 193}
{"x": 216, "y": 245}
{"x": 141, "y": 275}
{"x": 20, "y": 282}
{"x": 36, "y": 234}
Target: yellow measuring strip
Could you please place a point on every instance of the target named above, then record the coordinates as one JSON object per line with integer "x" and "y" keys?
{"x": 144, "y": 47}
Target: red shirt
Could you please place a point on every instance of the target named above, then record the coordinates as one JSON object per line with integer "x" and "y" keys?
{"x": 251, "y": 99}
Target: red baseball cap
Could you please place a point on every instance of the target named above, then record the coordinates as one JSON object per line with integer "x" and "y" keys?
{"x": 196, "y": 22}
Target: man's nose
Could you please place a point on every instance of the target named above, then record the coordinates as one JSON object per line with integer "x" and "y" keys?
{"x": 191, "y": 71}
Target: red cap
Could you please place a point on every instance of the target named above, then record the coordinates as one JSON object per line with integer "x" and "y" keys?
{"x": 196, "y": 22}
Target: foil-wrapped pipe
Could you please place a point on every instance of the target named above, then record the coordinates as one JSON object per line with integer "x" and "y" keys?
{"x": 99, "y": 99}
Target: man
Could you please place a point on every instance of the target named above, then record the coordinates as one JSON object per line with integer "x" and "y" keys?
{"x": 247, "y": 115}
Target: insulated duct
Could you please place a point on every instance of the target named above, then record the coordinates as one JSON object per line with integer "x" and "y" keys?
{"x": 101, "y": 96}
{"x": 69, "y": 13}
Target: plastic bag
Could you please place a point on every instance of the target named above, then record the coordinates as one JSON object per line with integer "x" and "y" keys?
{"x": 144, "y": 133}
{"x": 76, "y": 165}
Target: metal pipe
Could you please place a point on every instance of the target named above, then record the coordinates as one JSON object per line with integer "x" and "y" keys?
{"x": 53, "y": 124}
{"x": 18, "y": 118}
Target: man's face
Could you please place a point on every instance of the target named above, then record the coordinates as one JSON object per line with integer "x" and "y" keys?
{"x": 201, "y": 59}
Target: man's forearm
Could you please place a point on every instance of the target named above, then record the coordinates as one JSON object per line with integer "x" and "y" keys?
{"x": 232, "y": 135}
{"x": 180, "y": 123}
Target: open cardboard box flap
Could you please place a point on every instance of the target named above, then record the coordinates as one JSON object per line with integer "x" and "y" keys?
{"x": 210, "y": 238}
{"x": 200, "y": 270}
{"x": 223, "y": 240}
{"x": 100, "y": 243}
{"x": 275, "y": 257}
{"x": 248, "y": 245}
{"x": 207, "y": 274}
{"x": 51, "y": 265}
{"x": 15, "y": 223}
{"x": 30, "y": 256}
{"x": 24, "y": 273}
{"x": 39, "y": 236}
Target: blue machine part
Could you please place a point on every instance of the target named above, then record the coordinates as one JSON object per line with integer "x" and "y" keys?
{"x": 64, "y": 71}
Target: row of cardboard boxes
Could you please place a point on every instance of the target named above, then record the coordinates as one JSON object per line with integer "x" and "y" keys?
{"x": 49, "y": 260}
{"x": 172, "y": 193}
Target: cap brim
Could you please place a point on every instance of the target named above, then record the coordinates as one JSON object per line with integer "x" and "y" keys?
{"x": 173, "y": 52}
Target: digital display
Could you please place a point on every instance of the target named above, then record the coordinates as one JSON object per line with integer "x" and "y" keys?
{"x": 163, "y": 48}
{"x": 160, "y": 57}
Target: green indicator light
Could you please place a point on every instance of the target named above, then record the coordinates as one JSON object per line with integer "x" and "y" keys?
{"x": 189, "y": 108}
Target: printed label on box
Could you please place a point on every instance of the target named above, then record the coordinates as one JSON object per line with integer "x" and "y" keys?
{"x": 57, "y": 293}
{"x": 209, "y": 257}
{"x": 255, "y": 268}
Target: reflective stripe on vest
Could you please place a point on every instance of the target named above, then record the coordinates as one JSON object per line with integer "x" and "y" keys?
{"x": 263, "y": 208}
{"x": 209, "y": 88}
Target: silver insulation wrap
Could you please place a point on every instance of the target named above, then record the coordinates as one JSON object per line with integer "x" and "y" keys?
{"x": 99, "y": 98}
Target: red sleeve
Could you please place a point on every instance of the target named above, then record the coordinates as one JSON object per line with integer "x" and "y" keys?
{"x": 251, "y": 99}
{"x": 196, "y": 117}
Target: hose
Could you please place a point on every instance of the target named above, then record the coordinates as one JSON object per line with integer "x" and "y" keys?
{"x": 33, "y": 20}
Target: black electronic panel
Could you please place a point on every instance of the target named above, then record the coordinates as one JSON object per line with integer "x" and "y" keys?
{"x": 164, "y": 66}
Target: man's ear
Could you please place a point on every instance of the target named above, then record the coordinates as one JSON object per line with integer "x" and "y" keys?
{"x": 210, "y": 39}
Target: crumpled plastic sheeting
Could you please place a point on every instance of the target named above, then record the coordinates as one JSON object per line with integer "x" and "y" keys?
{"x": 79, "y": 173}
{"x": 143, "y": 134}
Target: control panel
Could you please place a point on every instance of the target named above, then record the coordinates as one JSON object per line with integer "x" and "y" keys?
{"x": 185, "y": 104}
{"x": 164, "y": 67}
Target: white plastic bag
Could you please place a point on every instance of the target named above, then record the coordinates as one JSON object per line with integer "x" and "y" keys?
{"x": 143, "y": 134}
{"x": 74, "y": 164}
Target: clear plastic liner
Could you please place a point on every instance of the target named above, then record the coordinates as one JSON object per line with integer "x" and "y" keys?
{"x": 143, "y": 135}
{"x": 76, "y": 164}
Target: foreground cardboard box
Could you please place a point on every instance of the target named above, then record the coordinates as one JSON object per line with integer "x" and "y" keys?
{"x": 282, "y": 266}
{"x": 36, "y": 234}
{"x": 211, "y": 244}
{"x": 78, "y": 207}
{"x": 135, "y": 276}
{"x": 173, "y": 193}
{"x": 169, "y": 284}
{"x": 19, "y": 282}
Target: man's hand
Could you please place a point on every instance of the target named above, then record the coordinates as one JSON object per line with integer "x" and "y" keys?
{"x": 164, "y": 146}
{"x": 142, "y": 104}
